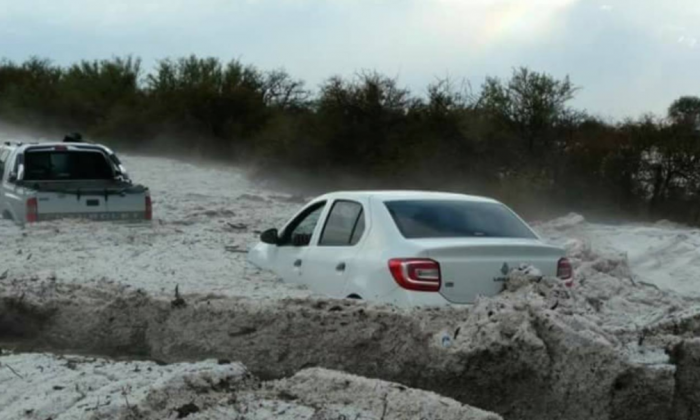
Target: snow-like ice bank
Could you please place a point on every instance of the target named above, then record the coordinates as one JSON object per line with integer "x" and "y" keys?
{"x": 42, "y": 386}
{"x": 205, "y": 220}
{"x": 207, "y": 217}
{"x": 596, "y": 351}
{"x": 539, "y": 350}
{"x": 664, "y": 254}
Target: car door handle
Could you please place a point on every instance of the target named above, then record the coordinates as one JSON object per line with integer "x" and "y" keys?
{"x": 340, "y": 267}
{"x": 297, "y": 263}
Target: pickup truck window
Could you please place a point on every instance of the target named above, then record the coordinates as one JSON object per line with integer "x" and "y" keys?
{"x": 66, "y": 165}
{"x": 3, "y": 158}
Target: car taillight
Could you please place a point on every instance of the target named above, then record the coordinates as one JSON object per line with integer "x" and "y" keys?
{"x": 565, "y": 271}
{"x": 417, "y": 274}
{"x": 149, "y": 208}
{"x": 32, "y": 210}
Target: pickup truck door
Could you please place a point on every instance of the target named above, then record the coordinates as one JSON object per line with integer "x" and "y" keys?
{"x": 332, "y": 259}
{"x": 288, "y": 257}
{"x": 11, "y": 195}
{"x": 4, "y": 209}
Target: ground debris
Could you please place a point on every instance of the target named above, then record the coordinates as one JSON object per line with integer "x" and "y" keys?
{"x": 11, "y": 370}
{"x": 178, "y": 302}
{"x": 235, "y": 249}
{"x": 237, "y": 226}
{"x": 186, "y": 410}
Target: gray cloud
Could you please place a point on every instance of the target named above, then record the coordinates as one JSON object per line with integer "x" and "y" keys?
{"x": 630, "y": 56}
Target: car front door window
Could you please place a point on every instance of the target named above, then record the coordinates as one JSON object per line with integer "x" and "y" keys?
{"x": 300, "y": 231}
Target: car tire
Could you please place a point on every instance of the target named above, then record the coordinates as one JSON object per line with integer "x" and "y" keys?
{"x": 355, "y": 296}
{"x": 6, "y": 215}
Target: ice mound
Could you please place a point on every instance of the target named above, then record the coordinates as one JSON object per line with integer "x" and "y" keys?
{"x": 566, "y": 222}
{"x": 72, "y": 388}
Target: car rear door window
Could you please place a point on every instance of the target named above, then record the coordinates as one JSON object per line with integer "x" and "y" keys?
{"x": 359, "y": 229}
{"x": 344, "y": 226}
{"x": 456, "y": 219}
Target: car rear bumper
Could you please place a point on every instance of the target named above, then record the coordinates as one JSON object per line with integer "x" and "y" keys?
{"x": 128, "y": 216}
{"x": 407, "y": 299}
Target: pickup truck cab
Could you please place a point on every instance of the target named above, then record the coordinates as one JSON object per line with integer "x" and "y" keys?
{"x": 47, "y": 181}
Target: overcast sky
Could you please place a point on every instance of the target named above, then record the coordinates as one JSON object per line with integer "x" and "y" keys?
{"x": 628, "y": 56}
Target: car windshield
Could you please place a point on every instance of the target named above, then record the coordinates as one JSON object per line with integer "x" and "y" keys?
{"x": 455, "y": 219}
{"x": 66, "y": 165}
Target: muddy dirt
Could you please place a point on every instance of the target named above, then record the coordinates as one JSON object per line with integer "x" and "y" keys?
{"x": 686, "y": 356}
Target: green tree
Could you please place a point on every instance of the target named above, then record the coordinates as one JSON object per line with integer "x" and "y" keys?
{"x": 686, "y": 111}
{"x": 533, "y": 103}
{"x": 361, "y": 121}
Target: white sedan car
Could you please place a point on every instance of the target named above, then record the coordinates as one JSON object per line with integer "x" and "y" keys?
{"x": 405, "y": 247}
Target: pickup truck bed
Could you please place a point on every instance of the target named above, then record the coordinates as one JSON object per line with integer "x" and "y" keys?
{"x": 42, "y": 182}
{"x": 97, "y": 201}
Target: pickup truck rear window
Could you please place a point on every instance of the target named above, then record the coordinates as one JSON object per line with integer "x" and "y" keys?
{"x": 418, "y": 219}
{"x": 66, "y": 165}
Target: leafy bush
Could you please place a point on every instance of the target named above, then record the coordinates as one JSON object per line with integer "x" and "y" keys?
{"x": 516, "y": 139}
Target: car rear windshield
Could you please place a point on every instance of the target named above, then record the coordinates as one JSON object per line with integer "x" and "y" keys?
{"x": 455, "y": 219}
{"x": 66, "y": 165}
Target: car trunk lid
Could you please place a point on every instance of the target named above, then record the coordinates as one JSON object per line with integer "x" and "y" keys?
{"x": 479, "y": 266}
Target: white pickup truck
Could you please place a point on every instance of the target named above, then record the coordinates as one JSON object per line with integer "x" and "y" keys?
{"x": 47, "y": 181}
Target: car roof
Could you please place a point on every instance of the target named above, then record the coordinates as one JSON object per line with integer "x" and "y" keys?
{"x": 392, "y": 195}
{"x": 72, "y": 145}
{"x": 60, "y": 143}
{"x": 8, "y": 144}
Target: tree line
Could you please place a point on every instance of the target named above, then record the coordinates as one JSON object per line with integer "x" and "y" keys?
{"x": 517, "y": 139}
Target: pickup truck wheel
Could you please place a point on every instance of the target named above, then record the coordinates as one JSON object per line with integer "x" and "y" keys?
{"x": 354, "y": 296}
{"x": 6, "y": 215}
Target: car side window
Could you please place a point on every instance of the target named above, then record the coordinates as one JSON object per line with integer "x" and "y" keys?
{"x": 359, "y": 229}
{"x": 300, "y": 230}
{"x": 3, "y": 159}
{"x": 344, "y": 226}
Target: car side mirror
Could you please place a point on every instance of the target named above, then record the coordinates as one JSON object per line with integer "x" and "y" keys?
{"x": 270, "y": 236}
{"x": 12, "y": 177}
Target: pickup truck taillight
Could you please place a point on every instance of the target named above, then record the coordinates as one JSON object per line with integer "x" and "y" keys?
{"x": 418, "y": 274}
{"x": 565, "y": 271}
{"x": 149, "y": 208}
{"x": 32, "y": 210}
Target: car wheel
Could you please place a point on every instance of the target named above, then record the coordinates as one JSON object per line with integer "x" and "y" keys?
{"x": 355, "y": 296}
{"x": 6, "y": 215}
